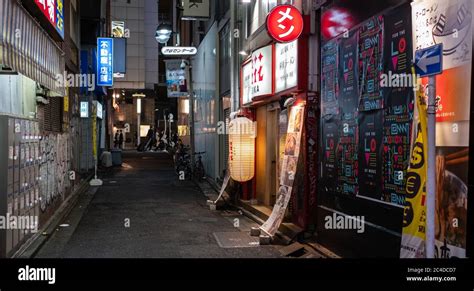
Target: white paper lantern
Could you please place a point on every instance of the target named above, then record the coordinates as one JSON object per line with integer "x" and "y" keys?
{"x": 241, "y": 149}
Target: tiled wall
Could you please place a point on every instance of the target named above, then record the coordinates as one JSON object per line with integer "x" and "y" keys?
{"x": 141, "y": 18}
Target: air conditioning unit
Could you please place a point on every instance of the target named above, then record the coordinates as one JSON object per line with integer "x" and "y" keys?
{"x": 4, "y": 70}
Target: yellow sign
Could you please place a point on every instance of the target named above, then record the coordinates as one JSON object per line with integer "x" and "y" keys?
{"x": 94, "y": 134}
{"x": 414, "y": 214}
{"x": 66, "y": 101}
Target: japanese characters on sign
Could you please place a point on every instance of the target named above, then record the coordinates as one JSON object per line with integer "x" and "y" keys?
{"x": 262, "y": 71}
{"x": 247, "y": 83}
{"x": 105, "y": 62}
{"x": 179, "y": 51}
{"x": 53, "y": 10}
{"x": 286, "y": 65}
{"x": 176, "y": 79}
{"x": 285, "y": 23}
{"x": 99, "y": 109}
{"x": 84, "y": 110}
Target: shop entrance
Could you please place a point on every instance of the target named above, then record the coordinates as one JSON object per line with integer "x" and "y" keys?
{"x": 267, "y": 154}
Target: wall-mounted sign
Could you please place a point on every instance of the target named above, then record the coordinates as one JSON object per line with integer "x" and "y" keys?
{"x": 176, "y": 79}
{"x": 335, "y": 21}
{"x": 105, "y": 60}
{"x": 247, "y": 83}
{"x": 429, "y": 61}
{"x": 195, "y": 9}
{"x": 257, "y": 74}
{"x": 84, "y": 109}
{"x": 118, "y": 29}
{"x": 286, "y": 65}
{"x": 99, "y": 109}
{"x": 179, "y": 51}
{"x": 285, "y": 23}
{"x": 262, "y": 71}
{"x": 448, "y": 22}
{"x": 53, "y": 10}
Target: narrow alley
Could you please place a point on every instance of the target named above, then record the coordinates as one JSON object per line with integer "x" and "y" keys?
{"x": 168, "y": 218}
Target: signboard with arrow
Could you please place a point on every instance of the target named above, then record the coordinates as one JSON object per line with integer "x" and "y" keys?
{"x": 429, "y": 61}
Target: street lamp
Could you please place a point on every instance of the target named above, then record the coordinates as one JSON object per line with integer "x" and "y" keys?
{"x": 163, "y": 33}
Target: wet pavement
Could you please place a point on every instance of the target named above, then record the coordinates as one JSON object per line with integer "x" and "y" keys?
{"x": 144, "y": 211}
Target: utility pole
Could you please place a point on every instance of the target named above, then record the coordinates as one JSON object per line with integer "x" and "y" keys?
{"x": 431, "y": 172}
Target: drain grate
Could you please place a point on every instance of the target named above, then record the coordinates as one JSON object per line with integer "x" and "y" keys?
{"x": 236, "y": 240}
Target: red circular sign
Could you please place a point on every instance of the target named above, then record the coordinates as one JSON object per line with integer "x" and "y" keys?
{"x": 336, "y": 21}
{"x": 285, "y": 23}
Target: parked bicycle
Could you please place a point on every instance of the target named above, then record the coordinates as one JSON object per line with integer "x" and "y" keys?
{"x": 198, "y": 170}
{"x": 182, "y": 159}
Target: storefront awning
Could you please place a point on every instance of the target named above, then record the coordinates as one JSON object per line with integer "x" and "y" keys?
{"x": 26, "y": 48}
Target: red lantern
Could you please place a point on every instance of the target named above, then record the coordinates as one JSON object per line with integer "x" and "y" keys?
{"x": 285, "y": 23}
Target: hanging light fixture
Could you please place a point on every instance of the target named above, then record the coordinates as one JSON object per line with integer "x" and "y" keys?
{"x": 241, "y": 149}
{"x": 163, "y": 33}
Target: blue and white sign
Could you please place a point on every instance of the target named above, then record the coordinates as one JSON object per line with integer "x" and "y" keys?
{"x": 84, "y": 109}
{"x": 429, "y": 61}
{"x": 105, "y": 61}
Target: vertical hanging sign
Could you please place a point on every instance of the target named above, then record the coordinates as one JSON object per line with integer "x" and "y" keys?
{"x": 414, "y": 214}
{"x": 105, "y": 59}
{"x": 288, "y": 170}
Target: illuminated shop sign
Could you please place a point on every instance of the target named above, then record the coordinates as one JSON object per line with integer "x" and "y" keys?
{"x": 53, "y": 10}
{"x": 285, "y": 23}
{"x": 286, "y": 65}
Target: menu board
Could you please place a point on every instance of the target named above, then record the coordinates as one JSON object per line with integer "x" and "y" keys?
{"x": 371, "y": 63}
{"x": 370, "y": 154}
{"x": 288, "y": 172}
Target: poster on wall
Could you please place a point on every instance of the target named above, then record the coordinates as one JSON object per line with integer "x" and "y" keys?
{"x": 348, "y": 166}
{"x": 330, "y": 129}
{"x": 371, "y": 37}
{"x": 398, "y": 90}
{"x": 370, "y": 154}
{"x": 449, "y": 22}
{"x": 329, "y": 64}
{"x": 398, "y": 104}
{"x": 312, "y": 146}
{"x": 451, "y": 201}
{"x": 176, "y": 79}
{"x": 396, "y": 155}
{"x": 348, "y": 76}
{"x": 288, "y": 173}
